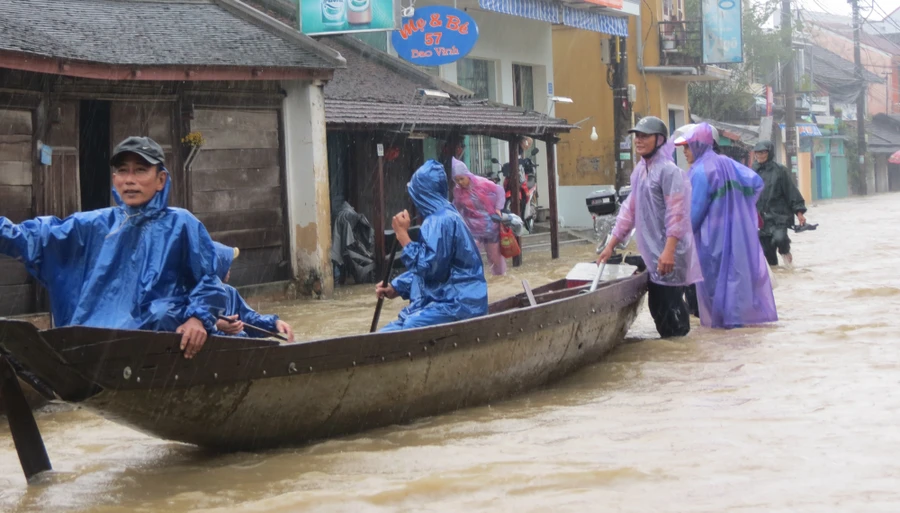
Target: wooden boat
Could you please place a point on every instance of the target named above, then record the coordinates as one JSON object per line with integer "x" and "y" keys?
{"x": 245, "y": 394}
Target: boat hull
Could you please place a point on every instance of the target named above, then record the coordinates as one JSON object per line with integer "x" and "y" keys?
{"x": 293, "y": 394}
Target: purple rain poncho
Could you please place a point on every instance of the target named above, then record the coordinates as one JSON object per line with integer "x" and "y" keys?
{"x": 736, "y": 289}
{"x": 659, "y": 207}
{"x": 477, "y": 202}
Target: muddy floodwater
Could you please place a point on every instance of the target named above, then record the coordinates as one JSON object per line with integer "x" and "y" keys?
{"x": 799, "y": 416}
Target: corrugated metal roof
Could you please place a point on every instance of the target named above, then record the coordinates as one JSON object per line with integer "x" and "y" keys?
{"x": 156, "y": 33}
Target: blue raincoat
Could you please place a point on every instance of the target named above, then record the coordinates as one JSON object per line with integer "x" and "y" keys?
{"x": 145, "y": 268}
{"x": 736, "y": 289}
{"x": 235, "y": 304}
{"x": 445, "y": 278}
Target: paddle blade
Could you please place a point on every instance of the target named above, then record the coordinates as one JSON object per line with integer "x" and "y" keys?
{"x": 25, "y": 433}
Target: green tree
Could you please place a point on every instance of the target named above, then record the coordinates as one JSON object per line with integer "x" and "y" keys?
{"x": 763, "y": 51}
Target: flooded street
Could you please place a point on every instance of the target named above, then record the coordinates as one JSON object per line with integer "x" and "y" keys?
{"x": 799, "y": 416}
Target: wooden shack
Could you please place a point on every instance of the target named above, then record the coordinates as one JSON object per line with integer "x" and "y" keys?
{"x": 77, "y": 77}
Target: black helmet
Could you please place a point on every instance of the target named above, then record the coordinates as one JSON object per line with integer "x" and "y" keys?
{"x": 651, "y": 125}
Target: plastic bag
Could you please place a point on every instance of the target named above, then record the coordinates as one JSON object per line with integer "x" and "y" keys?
{"x": 509, "y": 246}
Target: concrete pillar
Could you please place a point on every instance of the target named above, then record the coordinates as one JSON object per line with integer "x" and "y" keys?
{"x": 306, "y": 169}
{"x": 881, "y": 173}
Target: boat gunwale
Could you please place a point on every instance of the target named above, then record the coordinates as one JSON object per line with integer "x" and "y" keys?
{"x": 210, "y": 361}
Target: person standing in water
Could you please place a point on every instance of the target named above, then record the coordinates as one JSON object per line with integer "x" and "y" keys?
{"x": 779, "y": 202}
{"x": 658, "y": 208}
{"x": 444, "y": 281}
{"x": 736, "y": 290}
{"x": 477, "y": 198}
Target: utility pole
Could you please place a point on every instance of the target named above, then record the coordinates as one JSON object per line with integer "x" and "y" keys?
{"x": 621, "y": 109}
{"x": 860, "y": 102}
{"x": 790, "y": 116}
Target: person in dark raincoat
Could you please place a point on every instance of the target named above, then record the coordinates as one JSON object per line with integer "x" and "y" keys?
{"x": 736, "y": 290}
{"x": 237, "y": 309}
{"x": 444, "y": 281}
{"x": 659, "y": 209}
{"x": 141, "y": 265}
{"x": 777, "y": 205}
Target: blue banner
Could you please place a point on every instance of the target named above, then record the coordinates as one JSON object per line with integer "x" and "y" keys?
{"x": 435, "y": 35}
{"x": 722, "y": 31}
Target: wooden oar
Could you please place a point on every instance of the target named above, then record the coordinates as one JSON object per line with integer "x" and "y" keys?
{"x": 384, "y": 283}
{"x": 266, "y": 332}
{"x": 25, "y": 433}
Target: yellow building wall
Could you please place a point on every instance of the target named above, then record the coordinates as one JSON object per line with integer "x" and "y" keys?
{"x": 580, "y": 74}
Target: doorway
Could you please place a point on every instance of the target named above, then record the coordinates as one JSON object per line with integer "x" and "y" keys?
{"x": 94, "y": 153}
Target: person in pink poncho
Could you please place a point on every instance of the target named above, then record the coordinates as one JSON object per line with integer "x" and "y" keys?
{"x": 659, "y": 209}
{"x": 477, "y": 198}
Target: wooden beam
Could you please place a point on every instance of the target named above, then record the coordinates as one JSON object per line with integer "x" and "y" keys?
{"x": 551, "y": 190}
{"x": 22, "y": 426}
{"x": 513, "y": 178}
{"x": 378, "y": 220}
{"x": 54, "y": 66}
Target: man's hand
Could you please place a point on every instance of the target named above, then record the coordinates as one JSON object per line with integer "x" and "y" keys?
{"x": 801, "y": 218}
{"x": 285, "y": 328}
{"x": 605, "y": 254}
{"x": 230, "y": 328}
{"x": 666, "y": 262}
{"x": 387, "y": 292}
{"x": 400, "y": 223}
{"x": 193, "y": 336}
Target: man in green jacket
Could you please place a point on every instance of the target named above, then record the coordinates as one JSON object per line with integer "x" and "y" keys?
{"x": 779, "y": 202}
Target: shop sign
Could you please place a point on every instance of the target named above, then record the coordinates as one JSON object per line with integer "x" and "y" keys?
{"x": 435, "y": 35}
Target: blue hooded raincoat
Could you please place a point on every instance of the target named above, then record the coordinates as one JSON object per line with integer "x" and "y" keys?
{"x": 145, "y": 268}
{"x": 234, "y": 303}
{"x": 445, "y": 278}
{"x": 736, "y": 289}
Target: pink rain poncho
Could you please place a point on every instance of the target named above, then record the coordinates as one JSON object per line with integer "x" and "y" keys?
{"x": 477, "y": 202}
{"x": 659, "y": 207}
{"x": 736, "y": 289}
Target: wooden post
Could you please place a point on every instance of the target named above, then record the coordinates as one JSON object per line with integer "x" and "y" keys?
{"x": 379, "y": 212}
{"x": 551, "y": 189}
{"x": 513, "y": 178}
{"x": 22, "y": 426}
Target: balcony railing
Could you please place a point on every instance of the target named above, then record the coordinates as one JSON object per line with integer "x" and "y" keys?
{"x": 680, "y": 43}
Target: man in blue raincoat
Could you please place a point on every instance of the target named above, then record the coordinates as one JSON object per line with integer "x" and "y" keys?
{"x": 444, "y": 281}
{"x": 237, "y": 310}
{"x": 141, "y": 265}
{"x": 736, "y": 289}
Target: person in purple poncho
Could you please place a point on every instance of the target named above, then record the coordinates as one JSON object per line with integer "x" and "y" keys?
{"x": 659, "y": 209}
{"x": 736, "y": 289}
{"x": 477, "y": 198}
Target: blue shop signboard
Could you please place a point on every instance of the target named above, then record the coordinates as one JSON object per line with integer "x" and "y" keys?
{"x": 435, "y": 35}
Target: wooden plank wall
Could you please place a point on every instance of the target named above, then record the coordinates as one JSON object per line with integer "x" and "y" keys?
{"x": 364, "y": 165}
{"x": 16, "y": 203}
{"x": 236, "y": 184}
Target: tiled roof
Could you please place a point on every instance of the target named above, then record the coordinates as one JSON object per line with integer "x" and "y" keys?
{"x": 831, "y": 66}
{"x": 377, "y": 89}
{"x": 157, "y": 33}
{"x": 884, "y": 135}
{"x": 470, "y": 116}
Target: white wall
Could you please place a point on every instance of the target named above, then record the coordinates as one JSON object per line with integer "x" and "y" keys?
{"x": 306, "y": 181}
{"x": 509, "y": 40}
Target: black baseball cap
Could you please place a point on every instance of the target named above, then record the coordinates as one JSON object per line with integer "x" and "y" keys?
{"x": 145, "y": 147}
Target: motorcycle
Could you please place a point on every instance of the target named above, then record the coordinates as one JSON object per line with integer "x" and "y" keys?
{"x": 528, "y": 195}
{"x": 604, "y": 205}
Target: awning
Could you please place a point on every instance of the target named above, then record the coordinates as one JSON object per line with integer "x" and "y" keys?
{"x": 595, "y": 22}
{"x": 806, "y": 130}
{"x": 541, "y": 10}
{"x": 552, "y": 12}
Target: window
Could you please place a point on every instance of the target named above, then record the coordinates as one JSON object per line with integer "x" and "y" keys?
{"x": 523, "y": 86}
{"x": 477, "y": 75}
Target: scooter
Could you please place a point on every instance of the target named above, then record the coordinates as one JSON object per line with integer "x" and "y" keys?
{"x": 604, "y": 205}
{"x": 528, "y": 196}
